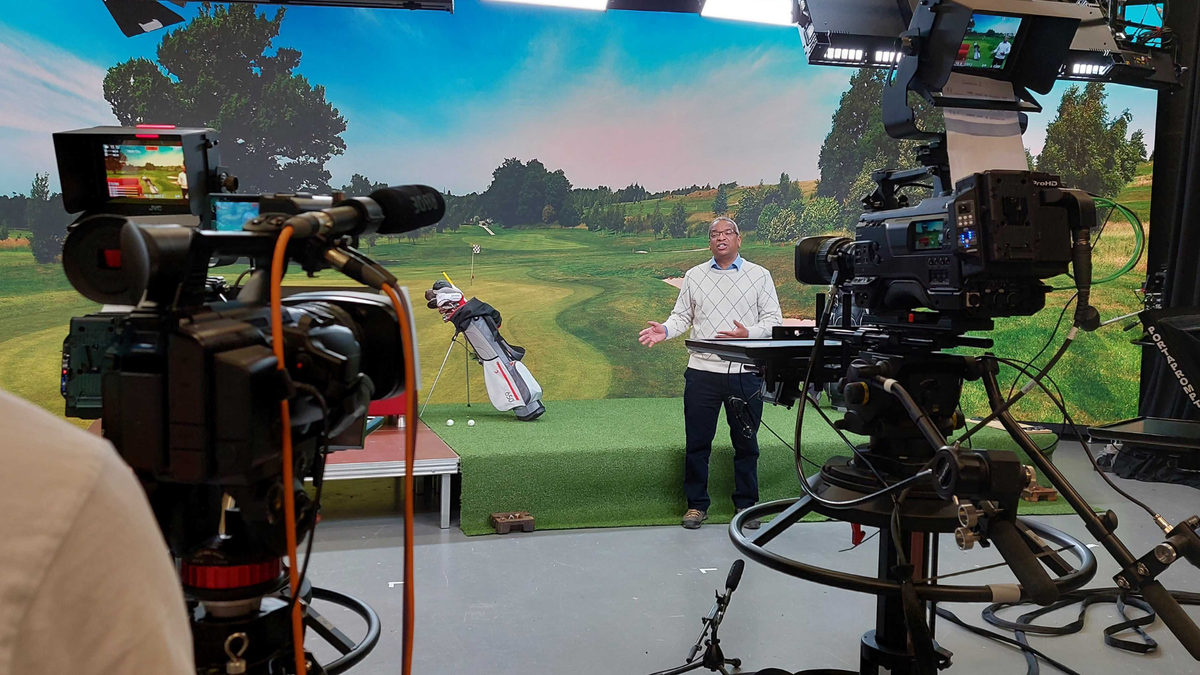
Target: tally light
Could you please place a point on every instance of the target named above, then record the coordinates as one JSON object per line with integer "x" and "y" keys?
{"x": 572, "y": 4}
{"x": 775, "y": 12}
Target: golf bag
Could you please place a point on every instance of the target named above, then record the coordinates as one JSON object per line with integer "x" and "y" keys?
{"x": 509, "y": 383}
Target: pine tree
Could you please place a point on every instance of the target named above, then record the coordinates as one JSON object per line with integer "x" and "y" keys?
{"x": 721, "y": 201}
{"x": 46, "y": 220}
{"x": 677, "y": 221}
{"x": 785, "y": 188}
{"x": 857, "y": 138}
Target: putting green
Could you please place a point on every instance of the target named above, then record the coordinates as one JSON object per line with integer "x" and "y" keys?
{"x": 617, "y": 462}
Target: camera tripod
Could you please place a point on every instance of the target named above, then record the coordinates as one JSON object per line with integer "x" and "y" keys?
{"x": 972, "y": 494}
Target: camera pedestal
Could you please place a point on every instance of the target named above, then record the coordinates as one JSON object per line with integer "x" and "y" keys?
{"x": 923, "y": 518}
{"x": 264, "y": 634}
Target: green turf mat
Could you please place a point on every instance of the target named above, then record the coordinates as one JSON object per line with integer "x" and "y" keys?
{"x": 617, "y": 462}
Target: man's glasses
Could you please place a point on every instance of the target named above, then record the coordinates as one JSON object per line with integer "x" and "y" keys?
{"x": 729, "y": 234}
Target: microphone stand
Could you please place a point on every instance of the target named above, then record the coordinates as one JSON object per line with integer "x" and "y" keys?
{"x": 712, "y": 658}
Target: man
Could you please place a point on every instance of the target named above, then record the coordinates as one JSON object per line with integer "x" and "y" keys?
{"x": 86, "y": 580}
{"x": 1000, "y": 53}
{"x": 726, "y": 297}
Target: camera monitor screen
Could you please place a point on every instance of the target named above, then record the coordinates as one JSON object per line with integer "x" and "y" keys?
{"x": 229, "y": 215}
{"x": 145, "y": 170}
{"x": 927, "y": 234}
{"x": 988, "y": 42}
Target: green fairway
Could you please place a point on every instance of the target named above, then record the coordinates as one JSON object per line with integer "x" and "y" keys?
{"x": 620, "y": 462}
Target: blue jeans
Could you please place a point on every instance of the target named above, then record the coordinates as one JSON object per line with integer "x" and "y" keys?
{"x": 703, "y": 395}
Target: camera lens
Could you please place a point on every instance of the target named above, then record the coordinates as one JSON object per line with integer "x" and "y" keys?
{"x": 818, "y": 257}
{"x": 93, "y": 261}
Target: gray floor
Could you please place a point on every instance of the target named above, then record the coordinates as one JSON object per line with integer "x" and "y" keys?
{"x": 629, "y": 600}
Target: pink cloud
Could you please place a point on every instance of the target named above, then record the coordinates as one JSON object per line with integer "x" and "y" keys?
{"x": 605, "y": 131}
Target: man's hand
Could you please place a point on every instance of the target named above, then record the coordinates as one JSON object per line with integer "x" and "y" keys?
{"x": 653, "y": 335}
{"x": 739, "y": 332}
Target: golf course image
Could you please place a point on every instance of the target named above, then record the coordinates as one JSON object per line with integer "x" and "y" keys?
{"x": 576, "y": 299}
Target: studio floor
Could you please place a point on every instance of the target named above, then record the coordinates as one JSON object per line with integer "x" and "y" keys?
{"x": 629, "y": 600}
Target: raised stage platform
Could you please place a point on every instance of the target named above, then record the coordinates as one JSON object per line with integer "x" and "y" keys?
{"x": 618, "y": 462}
{"x": 383, "y": 457}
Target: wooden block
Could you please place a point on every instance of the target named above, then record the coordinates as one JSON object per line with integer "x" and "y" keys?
{"x": 1038, "y": 493}
{"x": 512, "y": 520}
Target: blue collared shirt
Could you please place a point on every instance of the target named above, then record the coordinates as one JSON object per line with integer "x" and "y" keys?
{"x": 735, "y": 265}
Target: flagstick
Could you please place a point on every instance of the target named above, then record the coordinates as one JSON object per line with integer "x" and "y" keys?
{"x": 472, "y": 268}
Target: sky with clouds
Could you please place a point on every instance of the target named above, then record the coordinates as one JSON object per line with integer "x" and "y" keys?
{"x": 662, "y": 99}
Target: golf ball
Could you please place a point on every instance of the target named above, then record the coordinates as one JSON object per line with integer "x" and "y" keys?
{"x": 449, "y": 423}
{"x": 470, "y": 423}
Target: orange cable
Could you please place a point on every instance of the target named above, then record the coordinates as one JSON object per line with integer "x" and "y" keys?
{"x": 278, "y": 265}
{"x": 410, "y": 458}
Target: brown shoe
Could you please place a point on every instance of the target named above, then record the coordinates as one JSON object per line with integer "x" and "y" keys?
{"x": 693, "y": 518}
{"x": 752, "y": 524}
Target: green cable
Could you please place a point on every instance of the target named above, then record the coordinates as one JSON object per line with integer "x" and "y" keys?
{"x": 1139, "y": 234}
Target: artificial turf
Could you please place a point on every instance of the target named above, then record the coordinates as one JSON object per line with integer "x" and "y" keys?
{"x": 618, "y": 462}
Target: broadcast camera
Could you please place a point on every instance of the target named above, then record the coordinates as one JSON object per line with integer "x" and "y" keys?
{"x": 919, "y": 278}
{"x": 188, "y": 373}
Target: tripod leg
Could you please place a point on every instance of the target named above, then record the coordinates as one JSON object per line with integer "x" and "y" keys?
{"x": 467, "y": 371}
{"x": 439, "y": 376}
{"x": 790, "y": 516}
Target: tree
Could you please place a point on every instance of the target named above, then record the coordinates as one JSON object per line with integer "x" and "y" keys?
{"x": 797, "y": 208}
{"x": 3, "y": 230}
{"x": 754, "y": 200}
{"x": 821, "y": 214}
{"x": 45, "y": 219}
{"x": 657, "y": 224}
{"x": 500, "y": 199}
{"x": 1086, "y": 148}
{"x": 223, "y": 71}
{"x": 548, "y": 214}
{"x": 557, "y": 189}
{"x": 361, "y": 186}
{"x": 677, "y": 221}
{"x": 782, "y": 226}
{"x": 768, "y": 214}
{"x": 785, "y": 188}
{"x": 569, "y": 215}
{"x": 532, "y": 197}
{"x": 721, "y": 201}
{"x": 857, "y": 137}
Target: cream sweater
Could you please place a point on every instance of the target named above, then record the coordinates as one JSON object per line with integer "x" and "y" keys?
{"x": 712, "y": 298}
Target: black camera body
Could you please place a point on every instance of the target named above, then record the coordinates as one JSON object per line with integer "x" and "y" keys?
{"x": 191, "y": 402}
{"x": 183, "y": 370}
{"x": 187, "y": 383}
{"x": 977, "y": 254}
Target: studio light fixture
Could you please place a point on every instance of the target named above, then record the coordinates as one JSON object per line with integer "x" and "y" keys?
{"x": 600, "y": 5}
{"x": 846, "y": 55}
{"x": 775, "y": 12}
{"x": 1092, "y": 69}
